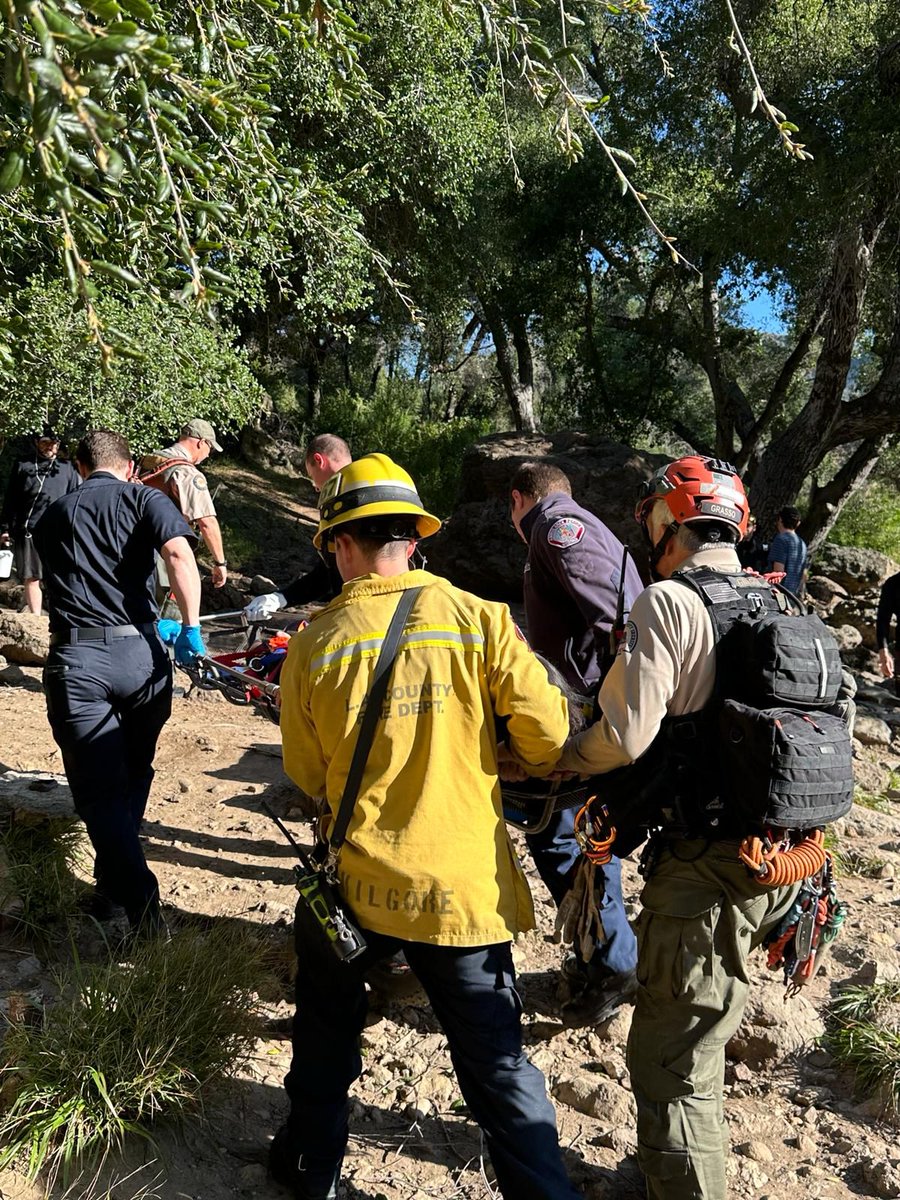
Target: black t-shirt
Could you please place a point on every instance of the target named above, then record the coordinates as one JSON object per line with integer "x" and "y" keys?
{"x": 33, "y": 486}
{"x": 323, "y": 582}
{"x": 97, "y": 548}
{"x": 888, "y": 611}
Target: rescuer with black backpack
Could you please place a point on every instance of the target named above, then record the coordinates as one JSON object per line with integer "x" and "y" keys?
{"x": 723, "y": 741}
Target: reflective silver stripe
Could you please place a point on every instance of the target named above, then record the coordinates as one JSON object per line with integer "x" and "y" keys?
{"x": 463, "y": 637}
{"x": 466, "y": 638}
{"x": 348, "y": 649}
{"x": 823, "y": 683}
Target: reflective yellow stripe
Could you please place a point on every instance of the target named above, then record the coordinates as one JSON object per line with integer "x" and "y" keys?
{"x": 368, "y": 645}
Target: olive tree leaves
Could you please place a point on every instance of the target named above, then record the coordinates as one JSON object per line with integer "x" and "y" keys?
{"x": 135, "y": 139}
{"x": 140, "y": 144}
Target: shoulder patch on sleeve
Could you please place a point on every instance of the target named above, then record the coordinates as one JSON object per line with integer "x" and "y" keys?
{"x": 199, "y": 482}
{"x": 567, "y": 531}
{"x": 631, "y": 637}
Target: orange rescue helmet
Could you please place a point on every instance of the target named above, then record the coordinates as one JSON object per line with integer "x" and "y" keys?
{"x": 696, "y": 488}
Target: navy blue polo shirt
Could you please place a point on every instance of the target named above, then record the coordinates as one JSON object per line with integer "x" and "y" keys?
{"x": 97, "y": 548}
{"x": 572, "y": 580}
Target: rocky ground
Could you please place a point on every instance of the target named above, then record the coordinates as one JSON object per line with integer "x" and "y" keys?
{"x": 797, "y": 1127}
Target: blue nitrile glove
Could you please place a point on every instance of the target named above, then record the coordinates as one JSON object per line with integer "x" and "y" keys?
{"x": 168, "y": 631}
{"x": 189, "y": 645}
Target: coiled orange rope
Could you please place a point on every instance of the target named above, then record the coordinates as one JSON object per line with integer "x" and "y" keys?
{"x": 775, "y": 867}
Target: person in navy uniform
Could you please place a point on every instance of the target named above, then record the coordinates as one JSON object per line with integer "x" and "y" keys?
{"x": 888, "y": 612}
{"x": 573, "y": 576}
{"x": 108, "y": 679}
{"x": 34, "y": 483}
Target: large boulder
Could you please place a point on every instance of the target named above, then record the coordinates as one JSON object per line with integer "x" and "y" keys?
{"x": 854, "y": 569}
{"x": 771, "y": 1031}
{"x": 24, "y": 638}
{"x": 267, "y": 449}
{"x": 478, "y": 548}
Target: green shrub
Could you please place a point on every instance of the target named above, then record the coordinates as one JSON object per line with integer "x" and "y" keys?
{"x": 863, "y": 1034}
{"x": 127, "y": 1043}
{"x": 855, "y": 862}
{"x": 41, "y": 862}
{"x": 870, "y": 800}
{"x": 392, "y": 422}
{"x": 871, "y": 519}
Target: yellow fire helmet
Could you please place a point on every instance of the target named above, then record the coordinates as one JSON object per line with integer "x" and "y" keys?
{"x": 372, "y": 486}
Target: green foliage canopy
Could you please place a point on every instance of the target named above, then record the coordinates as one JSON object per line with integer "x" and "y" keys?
{"x": 188, "y": 368}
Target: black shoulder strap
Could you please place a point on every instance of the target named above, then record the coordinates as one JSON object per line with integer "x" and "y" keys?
{"x": 369, "y": 718}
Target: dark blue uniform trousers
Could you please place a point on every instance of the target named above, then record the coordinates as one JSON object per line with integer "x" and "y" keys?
{"x": 107, "y": 703}
{"x": 555, "y": 853}
{"x": 473, "y": 995}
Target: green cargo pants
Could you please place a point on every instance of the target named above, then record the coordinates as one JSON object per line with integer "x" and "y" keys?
{"x": 702, "y": 915}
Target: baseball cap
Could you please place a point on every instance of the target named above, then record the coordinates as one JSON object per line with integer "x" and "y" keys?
{"x": 203, "y": 430}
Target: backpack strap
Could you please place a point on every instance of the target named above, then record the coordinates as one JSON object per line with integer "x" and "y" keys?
{"x": 152, "y": 472}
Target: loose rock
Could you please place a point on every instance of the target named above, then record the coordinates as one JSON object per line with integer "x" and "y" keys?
{"x": 24, "y": 638}
{"x": 597, "y": 1097}
{"x": 871, "y": 731}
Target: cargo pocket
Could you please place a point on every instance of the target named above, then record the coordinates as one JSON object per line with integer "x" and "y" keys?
{"x": 676, "y": 939}
{"x": 665, "y": 1167}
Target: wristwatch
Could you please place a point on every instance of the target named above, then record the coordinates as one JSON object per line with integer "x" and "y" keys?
{"x": 223, "y": 563}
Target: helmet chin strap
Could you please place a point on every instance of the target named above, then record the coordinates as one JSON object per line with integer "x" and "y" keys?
{"x": 657, "y": 551}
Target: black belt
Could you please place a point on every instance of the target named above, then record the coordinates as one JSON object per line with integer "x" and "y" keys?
{"x": 97, "y": 633}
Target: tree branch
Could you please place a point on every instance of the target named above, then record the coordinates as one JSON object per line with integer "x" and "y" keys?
{"x": 779, "y": 391}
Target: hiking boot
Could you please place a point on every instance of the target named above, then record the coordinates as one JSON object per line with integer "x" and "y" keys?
{"x": 304, "y": 1185}
{"x": 151, "y": 928}
{"x": 596, "y": 997}
{"x": 99, "y": 907}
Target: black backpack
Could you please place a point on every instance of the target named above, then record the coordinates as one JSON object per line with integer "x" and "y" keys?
{"x": 771, "y": 749}
{"x": 784, "y": 751}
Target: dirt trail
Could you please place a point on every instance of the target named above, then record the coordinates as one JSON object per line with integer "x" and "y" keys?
{"x": 800, "y": 1130}
{"x": 797, "y": 1130}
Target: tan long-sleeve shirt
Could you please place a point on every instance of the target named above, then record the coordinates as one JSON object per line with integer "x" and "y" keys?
{"x": 666, "y": 667}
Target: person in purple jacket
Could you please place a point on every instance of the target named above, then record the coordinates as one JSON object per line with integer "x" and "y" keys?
{"x": 573, "y": 576}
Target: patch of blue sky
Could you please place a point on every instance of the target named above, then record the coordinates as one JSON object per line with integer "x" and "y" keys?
{"x": 755, "y": 304}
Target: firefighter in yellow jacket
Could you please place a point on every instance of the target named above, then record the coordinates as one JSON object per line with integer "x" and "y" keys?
{"x": 427, "y": 865}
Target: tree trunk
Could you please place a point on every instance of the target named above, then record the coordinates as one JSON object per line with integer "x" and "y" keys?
{"x": 733, "y": 412}
{"x": 826, "y": 502}
{"x": 796, "y": 453}
{"x": 518, "y": 380}
{"x": 378, "y": 365}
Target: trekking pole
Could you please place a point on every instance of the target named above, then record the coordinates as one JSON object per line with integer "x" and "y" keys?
{"x": 222, "y": 616}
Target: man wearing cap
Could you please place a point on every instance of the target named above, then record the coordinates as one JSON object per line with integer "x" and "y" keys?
{"x": 426, "y": 864}
{"x": 174, "y": 471}
{"x": 34, "y": 483}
